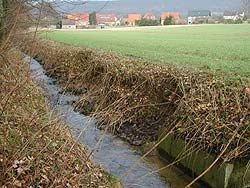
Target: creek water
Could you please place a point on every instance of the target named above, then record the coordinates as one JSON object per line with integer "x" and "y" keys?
{"x": 112, "y": 153}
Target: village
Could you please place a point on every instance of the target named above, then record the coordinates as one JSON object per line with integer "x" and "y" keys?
{"x": 100, "y": 20}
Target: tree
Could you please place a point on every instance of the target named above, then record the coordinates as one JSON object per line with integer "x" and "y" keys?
{"x": 49, "y": 16}
{"x": 168, "y": 20}
{"x": 13, "y": 15}
{"x": 3, "y": 19}
{"x": 245, "y": 4}
{"x": 92, "y": 18}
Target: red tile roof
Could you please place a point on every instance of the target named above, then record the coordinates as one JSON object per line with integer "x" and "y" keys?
{"x": 124, "y": 20}
{"x": 167, "y": 14}
{"x": 84, "y": 17}
{"x": 134, "y": 17}
{"x": 149, "y": 15}
{"x": 105, "y": 18}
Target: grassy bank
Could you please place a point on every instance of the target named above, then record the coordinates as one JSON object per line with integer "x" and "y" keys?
{"x": 219, "y": 48}
{"x": 36, "y": 149}
{"x": 136, "y": 99}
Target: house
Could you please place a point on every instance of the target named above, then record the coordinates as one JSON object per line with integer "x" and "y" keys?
{"x": 232, "y": 15}
{"x": 81, "y": 20}
{"x": 68, "y": 24}
{"x": 198, "y": 14}
{"x": 164, "y": 15}
{"x": 132, "y": 18}
{"x": 107, "y": 19}
{"x": 217, "y": 15}
{"x": 149, "y": 16}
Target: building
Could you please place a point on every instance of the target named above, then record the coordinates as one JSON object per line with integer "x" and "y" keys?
{"x": 198, "y": 15}
{"x": 164, "y": 15}
{"x": 132, "y": 18}
{"x": 149, "y": 16}
{"x": 81, "y": 20}
{"x": 68, "y": 24}
{"x": 107, "y": 19}
{"x": 232, "y": 15}
{"x": 217, "y": 15}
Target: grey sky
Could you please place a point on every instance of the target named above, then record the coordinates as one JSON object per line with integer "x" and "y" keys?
{"x": 140, "y": 6}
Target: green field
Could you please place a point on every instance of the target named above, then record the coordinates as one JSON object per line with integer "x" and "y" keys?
{"x": 222, "y": 48}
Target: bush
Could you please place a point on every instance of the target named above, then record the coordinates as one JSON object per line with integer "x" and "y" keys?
{"x": 231, "y": 21}
{"x": 169, "y": 21}
{"x": 238, "y": 21}
{"x": 180, "y": 21}
{"x": 202, "y": 21}
{"x": 146, "y": 22}
{"x": 219, "y": 20}
{"x": 211, "y": 21}
{"x": 228, "y": 21}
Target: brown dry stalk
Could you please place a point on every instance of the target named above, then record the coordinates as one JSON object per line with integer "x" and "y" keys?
{"x": 126, "y": 92}
{"x": 35, "y": 149}
{"x": 128, "y": 95}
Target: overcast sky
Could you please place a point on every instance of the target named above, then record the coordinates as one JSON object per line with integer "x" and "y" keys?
{"x": 140, "y": 6}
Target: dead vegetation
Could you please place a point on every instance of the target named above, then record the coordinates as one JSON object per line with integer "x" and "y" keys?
{"x": 36, "y": 149}
{"x": 138, "y": 100}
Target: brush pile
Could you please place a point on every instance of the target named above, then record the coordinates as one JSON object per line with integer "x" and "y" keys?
{"x": 137, "y": 99}
{"x": 36, "y": 150}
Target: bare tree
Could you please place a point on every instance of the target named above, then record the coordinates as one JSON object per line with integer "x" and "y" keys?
{"x": 4, "y": 6}
{"x": 245, "y": 4}
{"x": 12, "y": 17}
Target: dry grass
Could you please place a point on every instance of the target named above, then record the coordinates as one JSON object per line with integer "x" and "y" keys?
{"x": 136, "y": 99}
{"x": 36, "y": 150}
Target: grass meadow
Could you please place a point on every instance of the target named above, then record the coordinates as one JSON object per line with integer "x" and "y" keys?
{"x": 220, "y": 48}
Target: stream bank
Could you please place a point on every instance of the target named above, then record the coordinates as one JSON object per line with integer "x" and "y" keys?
{"x": 132, "y": 95}
{"x": 36, "y": 149}
{"x": 113, "y": 154}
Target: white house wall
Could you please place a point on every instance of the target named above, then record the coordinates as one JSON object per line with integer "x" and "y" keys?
{"x": 69, "y": 27}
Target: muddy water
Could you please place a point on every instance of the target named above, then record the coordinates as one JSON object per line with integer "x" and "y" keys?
{"x": 112, "y": 153}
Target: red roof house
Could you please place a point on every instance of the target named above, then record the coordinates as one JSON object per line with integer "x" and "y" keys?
{"x": 108, "y": 19}
{"x": 149, "y": 16}
{"x": 124, "y": 20}
{"x": 175, "y": 15}
{"x": 132, "y": 18}
{"x": 81, "y": 19}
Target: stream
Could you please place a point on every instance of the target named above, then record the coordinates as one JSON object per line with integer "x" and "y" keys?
{"x": 112, "y": 153}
